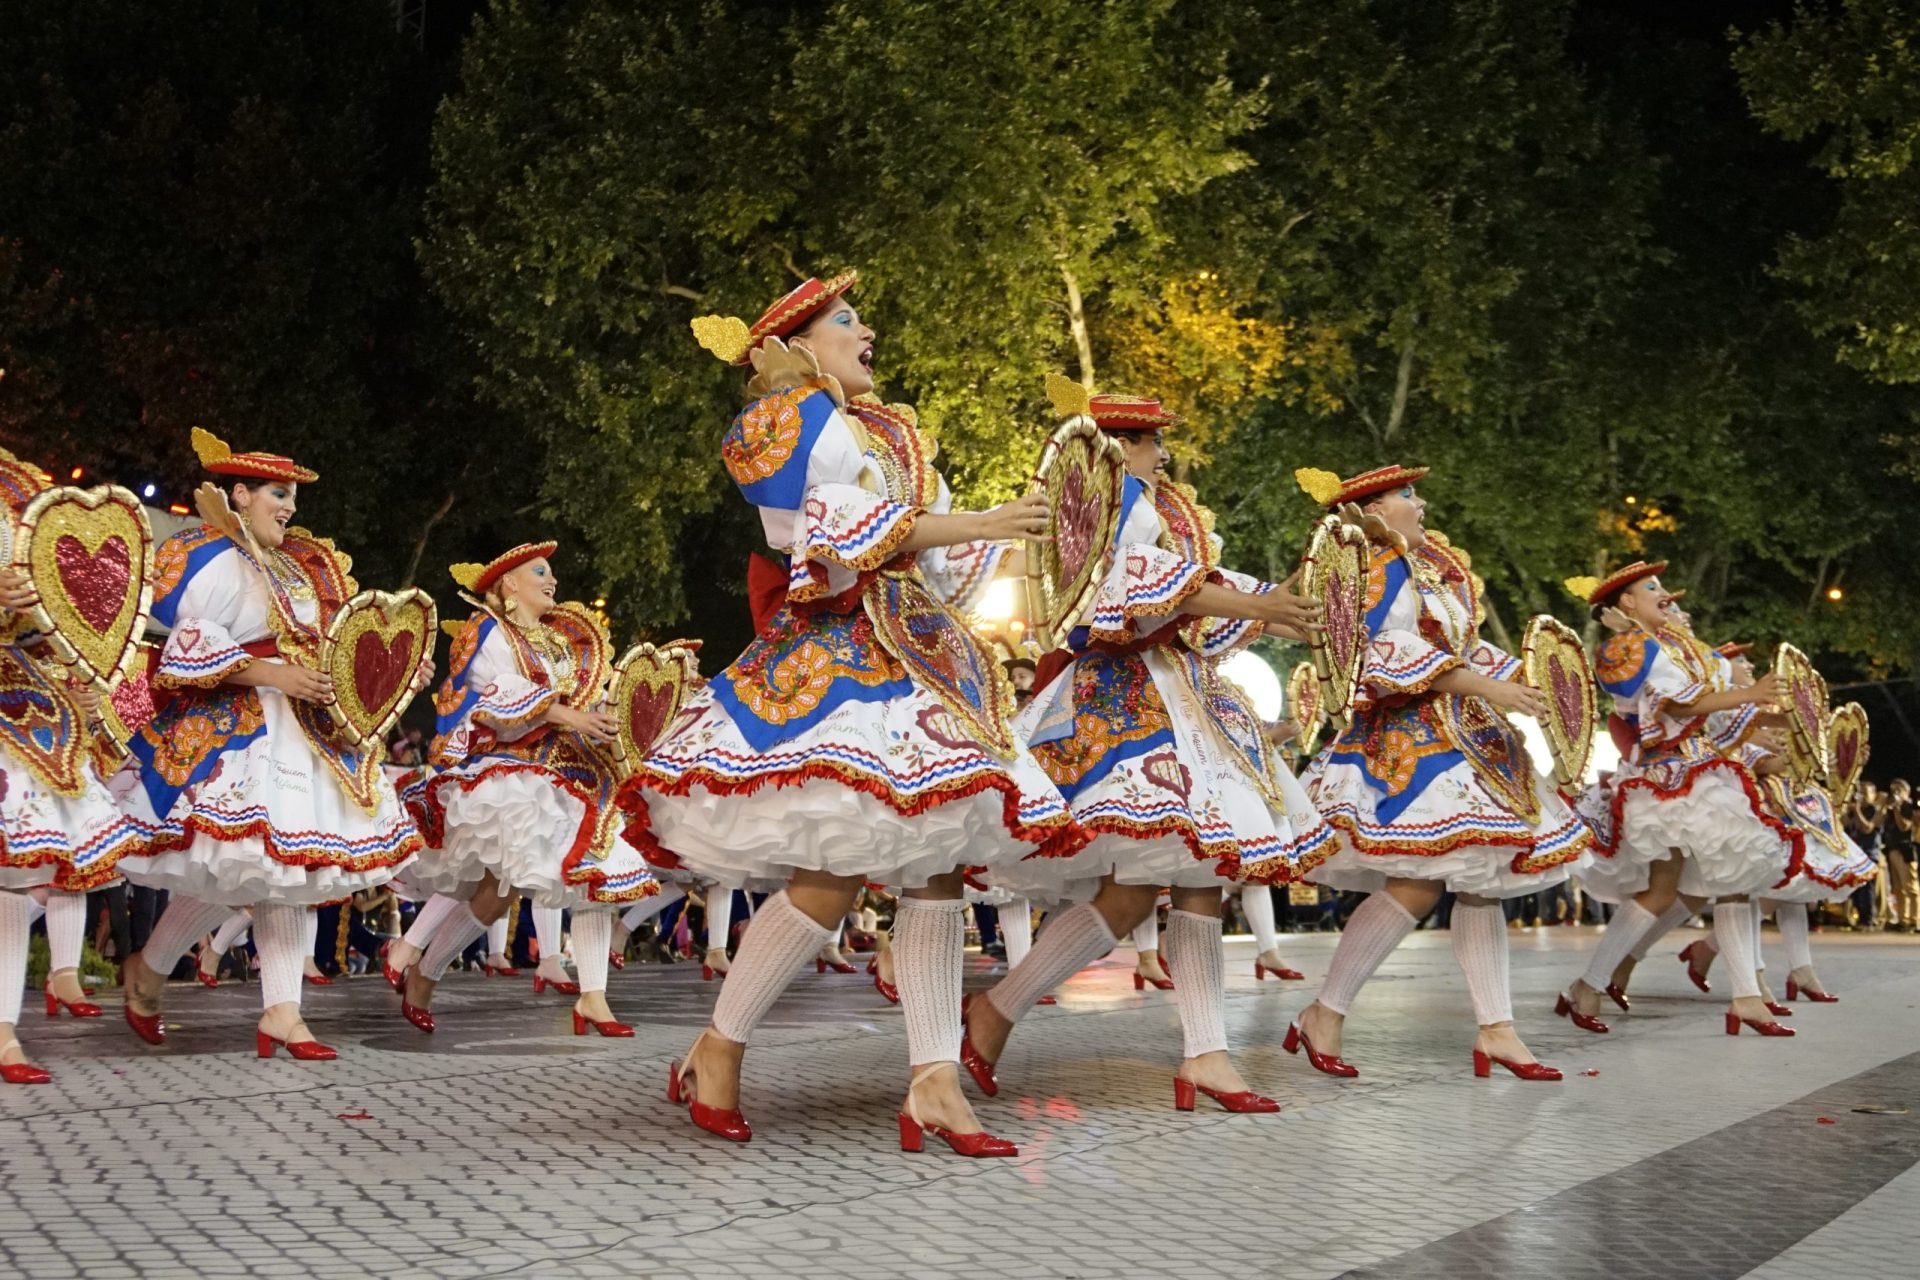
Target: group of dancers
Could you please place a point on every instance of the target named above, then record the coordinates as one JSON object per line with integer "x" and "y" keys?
{"x": 867, "y": 736}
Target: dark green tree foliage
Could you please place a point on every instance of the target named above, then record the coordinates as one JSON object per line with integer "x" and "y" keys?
{"x": 204, "y": 220}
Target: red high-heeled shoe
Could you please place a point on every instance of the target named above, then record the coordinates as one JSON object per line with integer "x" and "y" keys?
{"x": 1140, "y": 981}
{"x": 421, "y": 1018}
{"x": 978, "y": 1145}
{"x": 499, "y": 970}
{"x": 24, "y": 1073}
{"x": 206, "y": 979}
{"x": 1764, "y": 1028}
{"x": 1585, "y": 1021}
{"x": 300, "y": 1050}
{"x": 1328, "y": 1063}
{"x": 396, "y": 978}
{"x": 838, "y": 966}
{"x": 77, "y": 1008}
{"x": 608, "y": 1028}
{"x": 317, "y": 979}
{"x": 913, "y": 1130}
{"x": 1047, "y": 1000}
{"x": 1483, "y": 1067}
{"x": 618, "y": 959}
{"x": 1698, "y": 978}
{"x": 148, "y": 1026}
{"x": 1618, "y": 994}
{"x": 729, "y": 1124}
{"x": 560, "y": 988}
{"x": 873, "y": 965}
{"x": 1795, "y": 991}
{"x": 887, "y": 989}
{"x": 1285, "y": 974}
{"x": 1778, "y": 1010}
{"x": 978, "y": 1065}
{"x": 1246, "y": 1100}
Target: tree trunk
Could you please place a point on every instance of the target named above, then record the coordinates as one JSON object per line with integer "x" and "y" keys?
{"x": 1077, "y": 322}
{"x": 1402, "y": 385}
{"x": 1501, "y": 636}
{"x": 420, "y": 543}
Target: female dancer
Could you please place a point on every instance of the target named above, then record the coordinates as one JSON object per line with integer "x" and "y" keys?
{"x": 863, "y": 735}
{"x": 60, "y": 832}
{"x": 242, "y": 794}
{"x": 1429, "y": 786}
{"x": 1820, "y": 864}
{"x": 1681, "y": 819}
{"x": 520, "y": 796}
{"x": 1162, "y": 760}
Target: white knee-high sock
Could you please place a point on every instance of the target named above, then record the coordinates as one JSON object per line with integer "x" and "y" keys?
{"x": 1625, "y": 930}
{"x": 838, "y": 933}
{"x": 647, "y": 908}
{"x": 1194, "y": 951}
{"x": 1663, "y": 924}
{"x": 427, "y": 920}
{"x": 1146, "y": 934}
{"x": 1733, "y": 929}
{"x": 720, "y": 920}
{"x": 183, "y": 923}
{"x": 455, "y": 934}
{"x": 1374, "y": 929}
{"x": 1256, "y": 900}
{"x": 929, "y": 956}
{"x": 1759, "y": 956}
{"x": 1016, "y": 930}
{"x": 497, "y": 938}
{"x": 66, "y": 927}
{"x": 592, "y": 936}
{"x": 549, "y": 928}
{"x": 1480, "y": 945}
{"x": 16, "y": 920}
{"x": 311, "y": 927}
{"x": 280, "y": 936}
{"x": 1074, "y": 939}
{"x": 1792, "y": 918}
{"x": 230, "y": 931}
{"x": 781, "y": 938}
{"x": 36, "y": 903}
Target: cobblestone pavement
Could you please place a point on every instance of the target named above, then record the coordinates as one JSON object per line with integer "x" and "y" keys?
{"x": 503, "y": 1145}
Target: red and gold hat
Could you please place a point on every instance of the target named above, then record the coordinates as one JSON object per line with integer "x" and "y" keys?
{"x": 216, "y": 457}
{"x": 1109, "y": 412}
{"x": 1594, "y": 590}
{"x": 1734, "y": 649}
{"x": 477, "y": 578}
{"x": 1330, "y": 491}
{"x": 733, "y": 339}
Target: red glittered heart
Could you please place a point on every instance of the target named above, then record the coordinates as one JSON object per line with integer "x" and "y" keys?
{"x": 381, "y": 668}
{"x": 648, "y": 712}
{"x": 1079, "y": 512}
{"x": 96, "y": 583}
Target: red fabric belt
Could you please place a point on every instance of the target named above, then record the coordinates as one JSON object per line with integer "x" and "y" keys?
{"x": 766, "y": 589}
{"x": 268, "y": 648}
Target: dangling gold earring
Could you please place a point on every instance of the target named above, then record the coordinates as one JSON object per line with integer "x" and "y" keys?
{"x": 510, "y": 606}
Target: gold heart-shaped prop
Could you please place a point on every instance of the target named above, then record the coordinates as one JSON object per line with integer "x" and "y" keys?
{"x": 650, "y": 685}
{"x": 1554, "y": 662}
{"x": 1083, "y": 474}
{"x": 1847, "y": 747}
{"x": 89, "y": 554}
{"x": 1303, "y": 706}
{"x": 1334, "y": 571}
{"x": 1803, "y": 697}
{"x": 371, "y": 650}
{"x": 592, "y": 651}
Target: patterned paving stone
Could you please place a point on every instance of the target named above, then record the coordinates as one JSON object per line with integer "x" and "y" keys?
{"x": 504, "y": 1146}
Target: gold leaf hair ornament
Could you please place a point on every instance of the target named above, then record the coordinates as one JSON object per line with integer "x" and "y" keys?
{"x": 1068, "y": 398}
{"x": 725, "y": 337}
{"x": 467, "y": 574}
{"x": 209, "y": 448}
{"x": 1322, "y": 486}
{"x": 1582, "y": 587}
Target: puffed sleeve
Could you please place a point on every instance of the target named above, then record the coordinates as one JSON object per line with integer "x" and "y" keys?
{"x": 1401, "y": 663}
{"x": 205, "y": 598}
{"x": 1145, "y": 583}
{"x": 509, "y": 704}
{"x": 960, "y": 574}
{"x": 794, "y": 457}
{"x": 1492, "y": 661}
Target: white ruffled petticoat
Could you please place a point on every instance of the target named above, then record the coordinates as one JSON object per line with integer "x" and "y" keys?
{"x": 271, "y": 824}
{"x": 1707, "y": 812}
